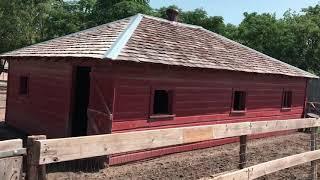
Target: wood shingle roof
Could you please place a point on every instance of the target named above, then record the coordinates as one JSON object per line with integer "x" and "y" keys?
{"x": 143, "y": 38}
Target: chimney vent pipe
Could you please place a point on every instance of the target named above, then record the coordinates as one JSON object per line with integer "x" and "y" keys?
{"x": 172, "y": 14}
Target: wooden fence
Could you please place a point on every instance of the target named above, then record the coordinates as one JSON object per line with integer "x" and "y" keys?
{"x": 269, "y": 167}
{"x": 11, "y": 155}
{"x": 47, "y": 151}
{"x": 42, "y": 151}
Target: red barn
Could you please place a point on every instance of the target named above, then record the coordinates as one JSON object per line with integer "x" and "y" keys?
{"x": 144, "y": 73}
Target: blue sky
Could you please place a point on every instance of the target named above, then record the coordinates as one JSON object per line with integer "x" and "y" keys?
{"x": 232, "y": 10}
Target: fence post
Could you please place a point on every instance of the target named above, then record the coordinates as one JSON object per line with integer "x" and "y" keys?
{"x": 34, "y": 171}
{"x": 313, "y": 146}
{"x": 243, "y": 151}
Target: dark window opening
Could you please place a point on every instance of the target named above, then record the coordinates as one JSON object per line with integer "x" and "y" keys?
{"x": 80, "y": 101}
{"x": 239, "y": 101}
{"x": 287, "y": 99}
{"x": 24, "y": 85}
{"x": 162, "y": 102}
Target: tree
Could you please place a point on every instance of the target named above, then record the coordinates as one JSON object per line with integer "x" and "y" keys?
{"x": 111, "y": 10}
{"x": 259, "y": 31}
{"x": 14, "y": 29}
{"x": 302, "y": 47}
{"x": 200, "y": 17}
{"x": 68, "y": 17}
{"x": 197, "y": 17}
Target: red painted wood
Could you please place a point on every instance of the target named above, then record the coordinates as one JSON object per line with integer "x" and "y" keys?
{"x": 45, "y": 110}
{"x": 101, "y": 104}
{"x": 201, "y": 97}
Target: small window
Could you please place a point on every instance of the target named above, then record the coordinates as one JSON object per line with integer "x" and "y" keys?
{"x": 287, "y": 99}
{"x": 239, "y": 101}
{"x": 162, "y": 102}
{"x": 24, "y": 85}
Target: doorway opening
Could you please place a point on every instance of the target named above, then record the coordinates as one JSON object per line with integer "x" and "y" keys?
{"x": 81, "y": 100}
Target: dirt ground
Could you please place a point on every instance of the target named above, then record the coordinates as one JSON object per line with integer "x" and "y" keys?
{"x": 206, "y": 162}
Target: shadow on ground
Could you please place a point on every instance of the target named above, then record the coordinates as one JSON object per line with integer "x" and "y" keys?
{"x": 7, "y": 132}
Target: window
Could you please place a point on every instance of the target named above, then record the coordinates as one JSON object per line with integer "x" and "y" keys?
{"x": 239, "y": 101}
{"x": 24, "y": 85}
{"x": 162, "y": 102}
{"x": 287, "y": 99}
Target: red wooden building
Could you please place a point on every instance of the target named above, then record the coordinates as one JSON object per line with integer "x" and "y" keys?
{"x": 143, "y": 73}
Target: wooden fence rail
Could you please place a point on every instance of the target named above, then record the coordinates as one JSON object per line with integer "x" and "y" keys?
{"x": 11, "y": 155}
{"x": 66, "y": 149}
{"x": 43, "y": 151}
{"x": 269, "y": 167}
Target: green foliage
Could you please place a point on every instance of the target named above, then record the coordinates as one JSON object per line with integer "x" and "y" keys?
{"x": 111, "y": 10}
{"x": 295, "y": 38}
{"x": 197, "y": 17}
{"x": 260, "y": 32}
{"x": 200, "y": 17}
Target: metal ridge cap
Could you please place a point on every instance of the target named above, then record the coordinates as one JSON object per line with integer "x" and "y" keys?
{"x": 115, "y": 49}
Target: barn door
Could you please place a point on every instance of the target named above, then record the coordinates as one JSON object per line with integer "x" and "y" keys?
{"x": 81, "y": 94}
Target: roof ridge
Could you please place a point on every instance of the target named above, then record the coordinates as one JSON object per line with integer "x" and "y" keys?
{"x": 115, "y": 49}
{"x": 260, "y": 53}
{"x": 172, "y": 22}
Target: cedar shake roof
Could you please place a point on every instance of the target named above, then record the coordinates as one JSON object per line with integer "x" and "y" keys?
{"x": 143, "y": 38}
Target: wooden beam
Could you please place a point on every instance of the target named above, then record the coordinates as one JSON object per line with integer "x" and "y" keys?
{"x": 34, "y": 170}
{"x": 65, "y": 149}
{"x": 243, "y": 151}
{"x": 269, "y": 167}
{"x": 10, "y": 145}
{"x": 313, "y": 146}
{"x": 11, "y": 167}
{"x": 16, "y": 152}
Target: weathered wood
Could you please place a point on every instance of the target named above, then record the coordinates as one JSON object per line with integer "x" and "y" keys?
{"x": 243, "y": 151}
{"x": 16, "y": 152}
{"x": 65, "y": 149}
{"x": 34, "y": 170}
{"x": 313, "y": 146}
{"x": 269, "y": 167}
{"x": 9, "y": 145}
{"x": 10, "y": 167}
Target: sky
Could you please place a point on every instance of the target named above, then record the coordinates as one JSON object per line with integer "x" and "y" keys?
{"x": 232, "y": 10}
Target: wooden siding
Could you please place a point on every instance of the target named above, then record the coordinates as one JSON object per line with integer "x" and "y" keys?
{"x": 101, "y": 101}
{"x": 201, "y": 97}
{"x": 45, "y": 110}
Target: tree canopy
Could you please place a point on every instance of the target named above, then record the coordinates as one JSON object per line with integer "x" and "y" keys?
{"x": 294, "y": 38}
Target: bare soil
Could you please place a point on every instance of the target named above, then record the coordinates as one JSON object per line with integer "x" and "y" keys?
{"x": 206, "y": 162}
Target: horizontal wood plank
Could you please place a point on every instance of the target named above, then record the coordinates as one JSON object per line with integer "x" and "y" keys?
{"x": 65, "y": 149}
{"x": 16, "y": 152}
{"x": 269, "y": 167}
{"x": 11, "y": 167}
{"x": 10, "y": 145}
